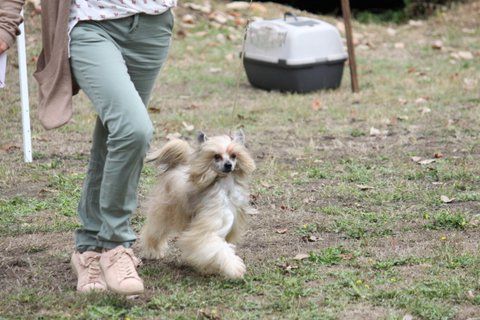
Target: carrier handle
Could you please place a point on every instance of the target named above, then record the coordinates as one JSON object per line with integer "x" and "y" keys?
{"x": 289, "y": 14}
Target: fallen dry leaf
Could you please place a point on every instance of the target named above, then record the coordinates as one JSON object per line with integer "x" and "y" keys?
{"x": 427, "y": 161}
{"x": 188, "y": 19}
{"x": 357, "y": 38}
{"x": 462, "y": 55}
{"x": 470, "y": 295}
{"x": 363, "y": 187}
{"x": 377, "y": 132}
{"x": 393, "y": 121}
{"x": 420, "y": 100}
{"x": 309, "y": 200}
{"x": 188, "y": 127}
{"x": 437, "y": 45}
{"x": 206, "y": 8}
{"x": 346, "y": 256}
{"x": 391, "y": 31}
{"x": 37, "y": 138}
{"x": 154, "y": 109}
{"x": 214, "y": 70}
{"x": 310, "y": 238}
{"x": 426, "y": 110}
{"x": 238, "y": 5}
{"x": 469, "y": 84}
{"x": 194, "y": 106}
{"x": 437, "y": 155}
{"x": 239, "y": 21}
{"x": 301, "y": 256}
{"x": 451, "y": 122}
{"x": 45, "y": 191}
{"x": 340, "y": 26}
{"x": 374, "y": 131}
{"x": 209, "y": 314}
{"x": 172, "y": 136}
{"x": 415, "y": 23}
{"x": 467, "y": 55}
{"x": 182, "y": 33}
{"x": 9, "y": 148}
{"x": 316, "y": 104}
{"x": 218, "y": 17}
{"x": 260, "y": 8}
{"x": 287, "y": 267}
{"x": 446, "y": 199}
{"x": 265, "y": 184}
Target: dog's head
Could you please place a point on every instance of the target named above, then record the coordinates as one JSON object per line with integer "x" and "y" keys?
{"x": 221, "y": 156}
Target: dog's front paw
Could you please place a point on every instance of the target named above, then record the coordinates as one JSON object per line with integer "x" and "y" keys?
{"x": 235, "y": 269}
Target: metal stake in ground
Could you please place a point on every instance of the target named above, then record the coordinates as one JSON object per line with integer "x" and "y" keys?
{"x": 22, "y": 66}
{"x": 351, "y": 51}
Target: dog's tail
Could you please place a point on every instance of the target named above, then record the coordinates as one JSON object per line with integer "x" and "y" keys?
{"x": 172, "y": 154}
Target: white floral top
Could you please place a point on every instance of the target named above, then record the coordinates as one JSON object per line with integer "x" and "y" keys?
{"x": 82, "y": 10}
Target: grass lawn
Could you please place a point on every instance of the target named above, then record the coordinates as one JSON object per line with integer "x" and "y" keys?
{"x": 336, "y": 183}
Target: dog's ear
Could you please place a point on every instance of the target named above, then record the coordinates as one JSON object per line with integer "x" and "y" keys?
{"x": 201, "y": 138}
{"x": 239, "y": 137}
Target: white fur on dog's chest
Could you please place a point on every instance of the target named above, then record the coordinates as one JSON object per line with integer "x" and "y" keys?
{"x": 230, "y": 199}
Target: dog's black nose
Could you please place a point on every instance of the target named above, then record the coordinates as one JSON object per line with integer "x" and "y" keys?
{"x": 227, "y": 167}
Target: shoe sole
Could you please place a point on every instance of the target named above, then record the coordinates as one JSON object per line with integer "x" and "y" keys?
{"x": 123, "y": 293}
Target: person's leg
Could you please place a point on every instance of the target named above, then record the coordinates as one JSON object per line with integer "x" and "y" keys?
{"x": 100, "y": 70}
{"x": 117, "y": 69}
{"x": 89, "y": 205}
{"x": 145, "y": 50}
{"x": 143, "y": 43}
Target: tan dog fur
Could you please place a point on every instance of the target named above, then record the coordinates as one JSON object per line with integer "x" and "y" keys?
{"x": 200, "y": 203}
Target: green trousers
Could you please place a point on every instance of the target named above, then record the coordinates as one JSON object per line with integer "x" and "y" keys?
{"x": 116, "y": 62}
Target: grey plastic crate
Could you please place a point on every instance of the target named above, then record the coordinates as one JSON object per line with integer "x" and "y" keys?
{"x": 296, "y": 54}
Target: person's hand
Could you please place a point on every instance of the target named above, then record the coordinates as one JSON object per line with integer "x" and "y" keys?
{"x": 3, "y": 46}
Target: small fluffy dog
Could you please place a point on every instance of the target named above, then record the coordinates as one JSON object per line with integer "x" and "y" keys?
{"x": 203, "y": 199}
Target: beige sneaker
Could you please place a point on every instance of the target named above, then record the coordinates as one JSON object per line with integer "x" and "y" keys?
{"x": 87, "y": 268}
{"x": 118, "y": 266}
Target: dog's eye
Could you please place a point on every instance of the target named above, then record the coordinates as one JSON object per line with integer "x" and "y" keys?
{"x": 233, "y": 156}
{"x": 218, "y": 157}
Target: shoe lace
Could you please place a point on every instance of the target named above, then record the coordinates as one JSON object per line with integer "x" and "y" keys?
{"x": 127, "y": 262}
{"x": 92, "y": 264}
